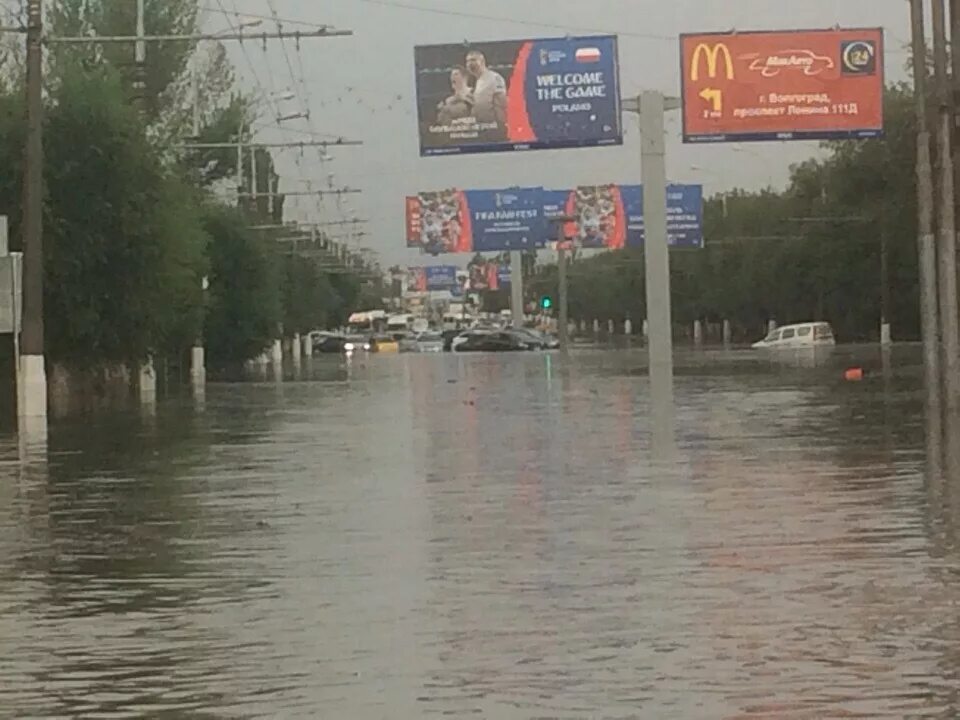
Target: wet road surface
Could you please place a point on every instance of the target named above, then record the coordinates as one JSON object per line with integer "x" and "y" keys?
{"x": 492, "y": 537}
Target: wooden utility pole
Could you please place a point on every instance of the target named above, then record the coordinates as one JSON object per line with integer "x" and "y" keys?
{"x": 926, "y": 240}
{"x": 949, "y": 302}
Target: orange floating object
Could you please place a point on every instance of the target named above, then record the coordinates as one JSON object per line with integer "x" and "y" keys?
{"x": 853, "y": 375}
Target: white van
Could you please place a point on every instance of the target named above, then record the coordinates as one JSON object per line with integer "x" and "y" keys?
{"x": 801, "y": 335}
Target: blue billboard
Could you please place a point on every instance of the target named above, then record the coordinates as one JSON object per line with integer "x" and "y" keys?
{"x": 441, "y": 277}
{"x": 502, "y": 220}
{"x": 464, "y": 221}
{"x": 518, "y": 95}
{"x": 684, "y": 216}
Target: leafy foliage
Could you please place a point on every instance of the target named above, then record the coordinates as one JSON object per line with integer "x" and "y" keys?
{"x": 810, "y": 252}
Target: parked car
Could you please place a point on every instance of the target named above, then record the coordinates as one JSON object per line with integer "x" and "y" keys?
{"x": 494, "y": 342}
{"x": 801, "y": 335}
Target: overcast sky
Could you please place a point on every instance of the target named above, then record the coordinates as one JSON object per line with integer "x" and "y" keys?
{"x": 362, "y": 87}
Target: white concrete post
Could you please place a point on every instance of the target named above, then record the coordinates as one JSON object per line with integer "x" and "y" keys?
{"x": 148, "y": 382}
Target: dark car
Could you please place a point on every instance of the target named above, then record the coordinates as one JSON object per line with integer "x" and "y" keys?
{"x": 329, "y": 344}
{"x": 448, "y": 336}
{"x": 536, "y": 340}
{"x": 494, "y": 342}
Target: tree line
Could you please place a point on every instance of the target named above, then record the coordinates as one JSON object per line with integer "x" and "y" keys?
{"x": 839, "y": 243}
{"x": 133, "y": 227}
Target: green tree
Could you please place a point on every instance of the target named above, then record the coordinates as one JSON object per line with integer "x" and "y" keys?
{"x": 124, "y": 253}
{"x": 244, "y": 307}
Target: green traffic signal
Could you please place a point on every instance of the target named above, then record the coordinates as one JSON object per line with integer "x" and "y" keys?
{"x": 546, "y": 302}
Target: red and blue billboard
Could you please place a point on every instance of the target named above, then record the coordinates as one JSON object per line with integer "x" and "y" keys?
{"x": 518, "y": 95}
{"x": 611, "y": 216}
{"x": 462, "y": 221}
{"x": 433, "y": 278}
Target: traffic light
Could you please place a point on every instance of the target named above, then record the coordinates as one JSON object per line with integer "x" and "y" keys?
{"x": 546, "y": 302}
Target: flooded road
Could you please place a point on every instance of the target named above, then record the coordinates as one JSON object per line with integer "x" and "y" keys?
{"x": 492, "y": 537}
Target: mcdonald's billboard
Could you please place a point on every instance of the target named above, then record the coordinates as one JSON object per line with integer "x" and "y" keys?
{"x": 782, "y": 85}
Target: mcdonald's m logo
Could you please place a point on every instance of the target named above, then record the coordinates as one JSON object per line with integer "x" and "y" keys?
{"x": 712, "y": 55}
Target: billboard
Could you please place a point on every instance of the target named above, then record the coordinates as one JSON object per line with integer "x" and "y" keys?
{"x": 611, "y": 216}
{"x": 518, "y": 95}
{"x": 489, "y": 275}
{"x": 434, "y": 278}
{"x": 460, "y": 221}
{"x": 790, "y": 85}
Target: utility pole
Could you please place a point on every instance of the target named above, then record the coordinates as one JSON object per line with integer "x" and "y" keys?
{"x": 33, "y": 375}
{"x": 516, "y": 288}
{"x": 949, "y": 307}
{"x": 653, "y": 105}
{"x": 140, "y": 58}
{"x": 926, "y": 240}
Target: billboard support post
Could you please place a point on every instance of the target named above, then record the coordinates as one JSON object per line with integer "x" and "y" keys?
{"x": 516, "y": 287}
{"x": 651, "y": 106}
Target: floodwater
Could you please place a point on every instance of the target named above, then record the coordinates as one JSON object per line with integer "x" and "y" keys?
{"x": 493, "y": 537}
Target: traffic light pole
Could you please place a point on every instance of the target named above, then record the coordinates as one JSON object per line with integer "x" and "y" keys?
{"x": 516, "y": 287}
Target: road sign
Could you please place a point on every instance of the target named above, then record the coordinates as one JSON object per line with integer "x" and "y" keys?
{"x": 782, "y": 85}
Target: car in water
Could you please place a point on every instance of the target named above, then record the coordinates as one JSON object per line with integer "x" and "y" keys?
{"x": 357, "y": 343}
{"x": 328, "y": 344}
{"x": 466, "y": 335}
{"x": 798, "y": 336}
{"x": 540, "y": 340}
{"x": 428, "y": 342}
{"x": 503, "y": 341}
{"x": 385, "y": 344}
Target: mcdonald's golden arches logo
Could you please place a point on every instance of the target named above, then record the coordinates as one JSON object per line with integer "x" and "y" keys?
{"x": 712, "y": 55}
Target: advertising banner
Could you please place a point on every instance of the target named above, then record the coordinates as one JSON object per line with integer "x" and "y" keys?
{"x": 441, "y": 277}
{"x": 790, "y": 85}
{"x": 518, "y": 95}
{"x": 488, "y": 275}
{"x": 434, "y": 278}
{"x": 611, "y": 216}
{"x": 461, "y": 221}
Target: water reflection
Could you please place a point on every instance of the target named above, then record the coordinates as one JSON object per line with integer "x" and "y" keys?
{"x": 508, "y": 537}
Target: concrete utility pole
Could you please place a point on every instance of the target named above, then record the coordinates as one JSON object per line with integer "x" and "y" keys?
{"x": 949, "y": 307}
{"x": 926, "y": 240}
{"x": 516, "y": 288}
{"x": 656, "y": 248}
{"x": 32, "y": 394}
